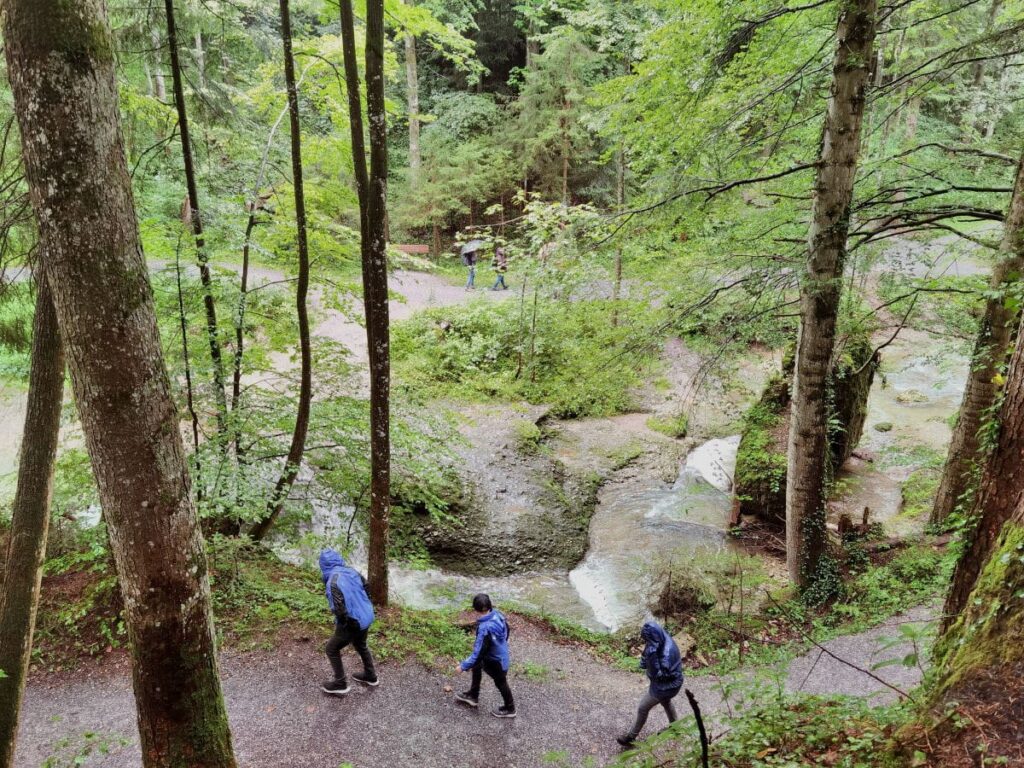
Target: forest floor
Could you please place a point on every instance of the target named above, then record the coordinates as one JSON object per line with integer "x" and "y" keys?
{"x": 569, "y": 704}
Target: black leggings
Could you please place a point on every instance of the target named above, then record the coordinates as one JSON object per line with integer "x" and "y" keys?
{"x": 498, "y": 675}
{"x": 345, "y": 634}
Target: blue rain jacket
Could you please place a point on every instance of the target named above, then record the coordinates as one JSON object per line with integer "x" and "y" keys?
{"x": 491, "y": 641}
{"x": 353, "y": 589}
{"x": 662, "y": 660}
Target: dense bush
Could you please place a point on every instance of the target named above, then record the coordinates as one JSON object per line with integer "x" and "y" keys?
{"x": 496, "y": 350}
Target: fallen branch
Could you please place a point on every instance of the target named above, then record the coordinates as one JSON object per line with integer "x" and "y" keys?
{"x": 700, "y": 727}
{"x": 829, "y": 653}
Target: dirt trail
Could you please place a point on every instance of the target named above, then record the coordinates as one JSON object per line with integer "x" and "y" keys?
{"x": 567, "y": 703}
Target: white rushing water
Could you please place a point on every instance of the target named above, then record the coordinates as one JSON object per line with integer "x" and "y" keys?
{"x": 636, "y": 524}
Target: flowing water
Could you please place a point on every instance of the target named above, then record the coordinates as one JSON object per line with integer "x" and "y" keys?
{"x": 637, "y": 523}
{"x": 641, "y": 521}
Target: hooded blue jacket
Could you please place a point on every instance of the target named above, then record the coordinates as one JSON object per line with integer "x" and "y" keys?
{"x": 491, "y": 641}
{"x": 662, "y": 660}
{"x": 357, "y": 603}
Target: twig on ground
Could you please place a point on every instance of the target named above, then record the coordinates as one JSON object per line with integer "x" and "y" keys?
{"x": 825, "y": 650}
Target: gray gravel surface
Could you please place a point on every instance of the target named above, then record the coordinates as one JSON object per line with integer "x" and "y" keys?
{"x": 569, "y": 703}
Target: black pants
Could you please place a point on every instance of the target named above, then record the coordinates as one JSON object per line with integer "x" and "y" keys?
{"x": 498, "y": 675}
{"x": 346, "y": 634}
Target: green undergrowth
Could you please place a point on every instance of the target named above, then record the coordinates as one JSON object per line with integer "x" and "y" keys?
{"x": 789, "y": 732}
{"x": 618, "y": 648}
{"x": 258, "y": 600}
{"x": 776, "y": 629}
{"x": 17, "y": 308}
{"x": 948, "y": 303}
{"x": 675, "y": 427}
{"x": 485, "y": 350}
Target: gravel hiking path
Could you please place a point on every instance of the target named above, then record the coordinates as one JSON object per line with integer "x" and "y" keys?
{"x": 568, "y": 703}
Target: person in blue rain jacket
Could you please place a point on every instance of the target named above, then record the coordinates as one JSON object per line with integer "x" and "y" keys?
{"x": 664, "y": 666}
{"x": 353, "y": 614}
{"x": 490, "y": 655}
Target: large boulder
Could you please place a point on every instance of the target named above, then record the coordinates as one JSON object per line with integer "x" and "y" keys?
{"x": 520, "y": 509}
{"x": 760, "y": 482}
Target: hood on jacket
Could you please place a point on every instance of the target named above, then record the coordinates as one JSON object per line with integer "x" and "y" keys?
{"x": 664, "y": 647}
{"x": 653, "y": 632}
{"x": 494, "y": 622}
{"x": 329, "y": 560}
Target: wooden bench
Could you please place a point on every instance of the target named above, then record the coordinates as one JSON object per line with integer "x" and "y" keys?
{"x": 412, "y": 248}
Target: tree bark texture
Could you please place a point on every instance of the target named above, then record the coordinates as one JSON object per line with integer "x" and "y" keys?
{"x": 990, "y": 351}
{"x": 196, "y": 220}
{"x": 30, "y": 516}
{"x": 806, "y": 537}
{"x": 371, "y": 187}
{"x": 413, "y": 96}
{"x": 355, "y": 110}
{"x": 375, "y": 297}
{"x": 1000, "y": 493}
{"x": 298, "y": 444}
{"x": 60, "y": 59}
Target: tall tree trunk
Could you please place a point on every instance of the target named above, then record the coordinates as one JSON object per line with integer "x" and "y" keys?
{"x": 413, "y": 96}
{"x": 806, "y": 536}
{"x": 371, "y": 187}
{"x": 30, "y": 517}
{"x": 620, "y": 204}
{"x": 375, "y": 293}
{"x": 355, "y": 113}
{"x": 1000, "y": 494}
{"x": 200, "y": 55}
{"x": 990, "y": 352}
{"x": 158, "y": 75}
{"x": 186, "y": 358}
{"x": 982, "y": 648}
{"x": 60, "y": 60}
{"x": 79, "y": 182}
{"x": 216, "y": 356}
{"x": 978, "y": 68}
{"x": 566, "y": 149}
{"x": 298, "y": 444}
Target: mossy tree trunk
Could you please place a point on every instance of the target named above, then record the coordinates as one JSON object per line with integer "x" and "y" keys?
{"x": 990, "y": 352}
{"x": 1000, "y": 493}
{"x": 30, "y": 516}
{"x": 61, "y": 63}
{"x": 820, "y": 291}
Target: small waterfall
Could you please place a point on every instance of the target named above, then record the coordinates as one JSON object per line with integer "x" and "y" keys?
{"x": 714, "y": 462}
{"x": 635, "y": 526}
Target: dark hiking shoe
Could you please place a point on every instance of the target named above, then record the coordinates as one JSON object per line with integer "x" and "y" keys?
{"x": 626, "y": 739}
{"x": 468, "y": 699}
{"x": 503, "y": 712}
{"x": 335, "y": 687}
{"x": 366, "y": 679}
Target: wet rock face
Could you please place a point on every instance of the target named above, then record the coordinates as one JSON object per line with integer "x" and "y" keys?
{"x": 760, "y": 483}
{"x": 523, "y": 509}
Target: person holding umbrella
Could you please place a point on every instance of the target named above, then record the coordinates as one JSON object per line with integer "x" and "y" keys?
{"x": 470, "y": 252}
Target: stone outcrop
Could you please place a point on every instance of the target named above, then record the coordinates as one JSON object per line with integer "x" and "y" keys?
{"x": 760, "y": 481}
